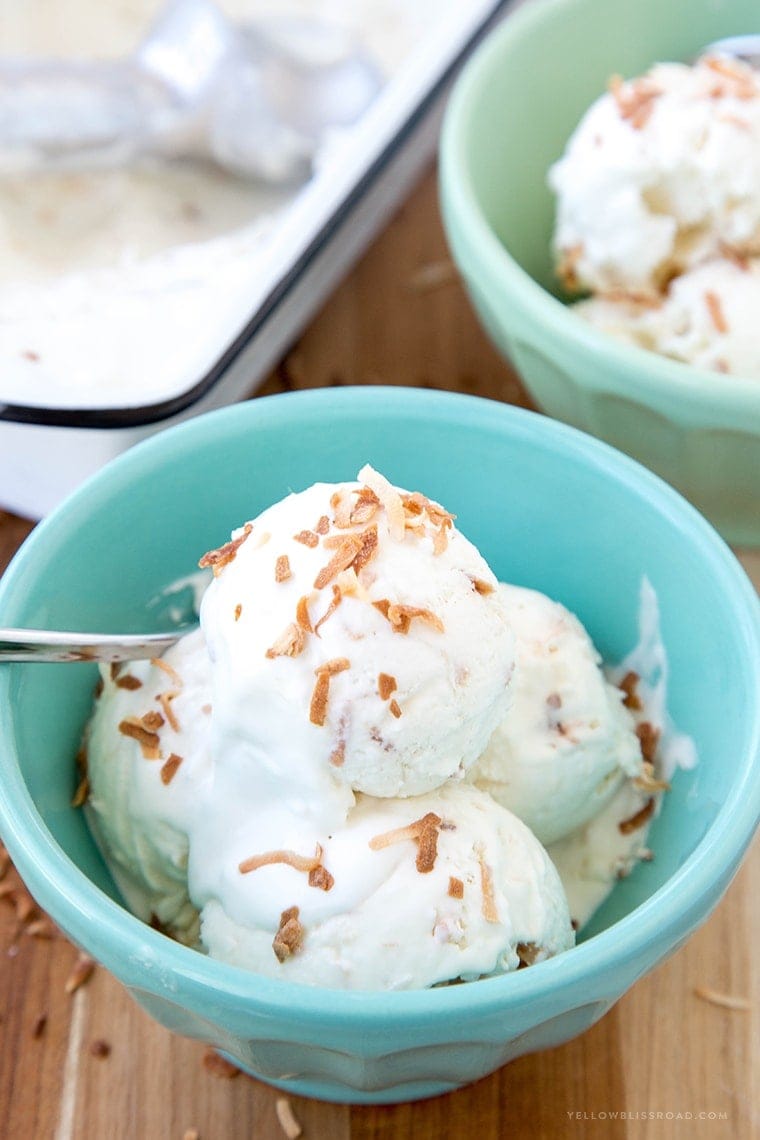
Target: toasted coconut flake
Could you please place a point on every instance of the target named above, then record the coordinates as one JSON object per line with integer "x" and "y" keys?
{"x": 341, "y": 505}
{"x": 289, "y": 644}
{"x": 218, "y": 559}
{"x": 423, "y": 832}
{"x": 638, "y": 297}
{"x": 386, "y": 684}
{"x": 626, "y": 826}
{"x": 348, "y": 584}
{"x": 635, "y": 99}
{"x": 302, "y": 615}
{"x": 323, "y": 525}
{"x": 488, "y": 905}
{"x": 286, "y": 1118}
{"x": 433, "y": 275}
{"x": 219, "y": 1066}
{"x": 307, "y": 538}
{"x": 648, "y": 782}
{"x": 333, "y": 666}
{"x": 152, "y": 720}
{"x": 306, "y": 863}
{"x": 367, "y": 550}
{"x": 396, "y": 835}
{"x": 41, "y": 928}
{"x": 401, "y": 617}
{"x": 82, "y": 767}
{"x": 24, "y": 905}
{"x": 737, "y": 80}
{"x": 337, "y": 598}
{"x": 338, "y": 755}
{"x": 97, "y": 692}
{"x": 321, "y": 878}
{"x": 482, "y": 587}
{"x": 629, "y": 686}
{"x": 148, "y": 740}
{"x": 289, "y": 936}
{"x": 165, "y": 701}
{"x": 82, "y": 792}
{"x": 81, "y": 973}
{"x": 648, "y": 739}
{"x": 169, "y": 768}
{"x": 427, "y": 842}
{"x": 395, "y": 709}
{"x": 282, "y": 569}
{"x": 725, "y": 1001}
{"x": 528, "y": 953}
{"x": 456, "y": 887}
{"x": 238, "y": 611}
{"x": 167, "y": 668}
{"x": 39, "y": 1026}
{"x": 417, "y": 529}
{"x": 715, "y": 309}
{"x": 347, "y": 550}
{"x": 389, "y": 498}
{"x": 318, "y": 705}
{"x": 365, "y": 508}
{"x": 128, "y": 681}
{"x": 567, "y": 266}
{"x": 739, "y": 259}
{"x": 440, "y": 540}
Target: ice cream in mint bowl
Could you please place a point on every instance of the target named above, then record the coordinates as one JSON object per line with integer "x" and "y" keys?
{"x": 320, "y": 808}
{"x": 651, "y": 216}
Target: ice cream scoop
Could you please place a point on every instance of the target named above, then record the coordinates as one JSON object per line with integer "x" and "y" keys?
{"x": 591, "y": 859}
{"x": 147, "y": 765}
{"x": 660, "y": 175}
{"x": 706, "y": 317}
{"x": 254, "y": 98}
{"x": 407, "y": 893}
{"x": 358, "y": 643}
{"x": 567, "y": 742}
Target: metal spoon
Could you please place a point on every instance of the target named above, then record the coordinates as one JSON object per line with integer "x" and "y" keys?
{"x": 256, "y": 98}
{"x": 745, "y": 47}
{"x": 55, "y": 645}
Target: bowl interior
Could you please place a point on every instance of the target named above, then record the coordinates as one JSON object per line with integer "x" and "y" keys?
{"x": 547, "y": 506}
{"x": 540, "y": 71}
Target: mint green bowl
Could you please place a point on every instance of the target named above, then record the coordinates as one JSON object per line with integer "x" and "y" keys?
{"x": 509, "y": 117}
{"x": 548, "y": 507}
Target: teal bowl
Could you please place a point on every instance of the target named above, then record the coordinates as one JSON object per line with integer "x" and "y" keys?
{"x": 509, "y": 117}
{"x": 548, "y": 507}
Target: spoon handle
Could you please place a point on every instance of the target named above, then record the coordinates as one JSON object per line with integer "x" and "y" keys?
{"x": 55, "y": 645}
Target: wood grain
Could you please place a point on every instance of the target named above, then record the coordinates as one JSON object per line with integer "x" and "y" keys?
{"x": 661, "y": 1050}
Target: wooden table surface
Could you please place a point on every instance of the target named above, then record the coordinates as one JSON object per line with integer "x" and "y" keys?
{"x": 90, "y": 1064}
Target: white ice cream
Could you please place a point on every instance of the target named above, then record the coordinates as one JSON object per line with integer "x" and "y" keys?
{"x": 354, "y": 642}
{"x": 595, "y": 856}
{"x": 707, "y": 317}
{"x": 661, "y": 174}
{"x": 380, "y": 663}
{"x": 149, "y": 777}
{"x": 490, "y": 899}
{"x": 568, "y": 742}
